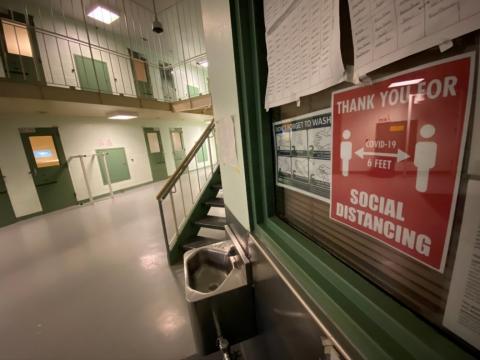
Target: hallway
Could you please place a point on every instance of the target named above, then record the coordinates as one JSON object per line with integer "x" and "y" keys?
{"x": 92, "y": 282}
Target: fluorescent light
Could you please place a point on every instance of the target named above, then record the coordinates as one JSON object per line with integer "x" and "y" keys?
{"x": 203, "y": 63}
{"x": 101, "y": 13}
{"x": 405, "y": 83}
{"x": 122, "y": 115}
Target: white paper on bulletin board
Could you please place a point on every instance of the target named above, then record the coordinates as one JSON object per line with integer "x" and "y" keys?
{"x": 303, "y": 49}
{"x": 225, "y": 132}
{"x": 383, "y": 34}
{"x": 474, "y": 162}
{"x": 462, "y": 312}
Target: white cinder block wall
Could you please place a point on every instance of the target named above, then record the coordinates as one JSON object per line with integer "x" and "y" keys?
{"x": 84, "y": 136}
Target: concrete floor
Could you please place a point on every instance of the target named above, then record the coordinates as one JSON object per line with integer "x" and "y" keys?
{"x": 92, "y": 282}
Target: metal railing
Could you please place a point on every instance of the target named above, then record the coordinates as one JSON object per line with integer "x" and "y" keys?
{"x": 61, "y": 46}
{"x": 102, "y": 157}
{"x": 184, "y": 187}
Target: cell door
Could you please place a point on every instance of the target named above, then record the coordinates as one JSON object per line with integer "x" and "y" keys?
{"x": 178, "y": 147}
{"x": 7, "y": 216}
{"x": 89, "y": 71}
{"x": 20, "y": 55}
{"x": 141, "y": 73}
{"x": 48, "y": 167}
{"x": 156, "y": 155}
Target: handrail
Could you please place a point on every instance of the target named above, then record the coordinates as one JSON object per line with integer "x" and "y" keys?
{"x": 185, "y": 163}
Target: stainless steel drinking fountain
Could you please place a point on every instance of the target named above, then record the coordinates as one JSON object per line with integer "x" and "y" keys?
{"x": 219, "y": 295}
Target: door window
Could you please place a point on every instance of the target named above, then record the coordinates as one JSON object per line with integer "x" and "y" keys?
{"x": 16, "y": 39}
{"x": 177, "y": 141}
{"x": 153, "y": 143}
{"x": 44, "y": 151}
{"x": 140, "y": 73}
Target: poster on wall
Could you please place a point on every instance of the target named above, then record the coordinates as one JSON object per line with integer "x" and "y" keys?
{"x": 397, "y": 149}
{"x": 303, "y": 51}
{"x": 302, "y": 152}
{"x": 463, "y": 303}
{"x": 386, "y": 31}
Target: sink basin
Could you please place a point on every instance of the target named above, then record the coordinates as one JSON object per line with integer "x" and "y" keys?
{"x": 211, "y": 270}
{"x": 207, "y": 269}
{"x": 220, "y": 300}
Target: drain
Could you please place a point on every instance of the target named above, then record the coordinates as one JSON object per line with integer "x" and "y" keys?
{"x": 212, "y": 286}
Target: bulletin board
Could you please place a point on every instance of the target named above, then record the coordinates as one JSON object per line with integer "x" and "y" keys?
{"x": 420, "y": 284}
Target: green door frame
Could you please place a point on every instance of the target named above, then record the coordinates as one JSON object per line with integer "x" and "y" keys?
{"x": 156, "y": 159}
{"x": 53, "y": 183}
{"x": 366, "y": 322}
{"x": 7, "y": 215}
{"x": 178, "y": 155}
{"x": 144, "y": 88}
{"x": 12, "y": 63}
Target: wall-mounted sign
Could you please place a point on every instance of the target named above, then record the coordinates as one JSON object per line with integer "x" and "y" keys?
{"x": 397, "y": 153}
{"x": 302, "y": 147}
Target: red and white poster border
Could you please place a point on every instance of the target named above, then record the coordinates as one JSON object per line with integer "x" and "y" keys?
{"x": 470, "y": 55}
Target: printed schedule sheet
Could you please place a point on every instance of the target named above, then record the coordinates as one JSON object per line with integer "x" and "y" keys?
{"x": 303, "y": 49}
{"x": 385, "y": 31}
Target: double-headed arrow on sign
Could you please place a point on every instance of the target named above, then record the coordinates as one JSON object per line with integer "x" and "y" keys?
{"x": 399, "y": 155}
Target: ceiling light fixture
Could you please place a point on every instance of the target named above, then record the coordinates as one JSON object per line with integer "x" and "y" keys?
{"x": 102, "y": 13}
{"x": 405, "y": 83}
{"x": 122, "y": 115}
{"x": 203, "y": 63}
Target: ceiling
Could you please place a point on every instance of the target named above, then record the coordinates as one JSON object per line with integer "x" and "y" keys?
{"x": 160, "y": 4}
{"x": 52, "y": 108}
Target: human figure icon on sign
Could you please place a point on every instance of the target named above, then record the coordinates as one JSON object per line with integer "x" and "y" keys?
{"x": 346, "y": 151}
{"x": 425, "y": 157}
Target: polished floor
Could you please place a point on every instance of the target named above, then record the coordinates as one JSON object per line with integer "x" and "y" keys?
{"x": 91, "y": 282}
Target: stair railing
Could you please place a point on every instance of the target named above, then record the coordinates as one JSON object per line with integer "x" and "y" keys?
{"x": 195, "y": 171}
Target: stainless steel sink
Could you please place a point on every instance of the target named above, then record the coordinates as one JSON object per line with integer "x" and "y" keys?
{"x": 208, "y": 269}
{"x": 212, "y": 270}
{"x": 218, "y": 294}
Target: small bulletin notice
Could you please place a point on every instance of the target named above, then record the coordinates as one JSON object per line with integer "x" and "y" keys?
{"x": 302, "y": 147}
{"x": 397, "y": 149}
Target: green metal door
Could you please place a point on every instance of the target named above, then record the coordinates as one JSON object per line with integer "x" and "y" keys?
{"x": 156, "y": 155}
{"x": 88, "y": 74}
{"x": 141, "y": 74}
{"x": 117, "y": 165}
{"x": 7, "y": 216}
{"x": 178, "y": 147}
{"x": 48, "y": 167}
{"x": 20, "y": 58}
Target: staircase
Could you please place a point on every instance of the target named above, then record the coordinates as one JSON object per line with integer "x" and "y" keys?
{"x": 204, "y": 222}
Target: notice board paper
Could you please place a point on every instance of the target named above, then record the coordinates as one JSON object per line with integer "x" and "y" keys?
{"x": 388, "y": 30}
{"x": 303, "y": 50}
{"x": 397, "y": 153}
{"x": 462, "y": 313}
{"x": 302, "y": 153}
{"x": 474, "y": 161}
{"x": 227, "y": 143}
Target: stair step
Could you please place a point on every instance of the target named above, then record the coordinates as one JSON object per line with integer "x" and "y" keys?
{"x": 216, "y": 186}
{"x": 199, "y": 241}
{"x": 216, "y": 202}
{"x": 212, "y": 222}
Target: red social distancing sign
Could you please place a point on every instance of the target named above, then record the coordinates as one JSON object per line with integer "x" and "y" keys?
{"x": 397, "y": 152}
